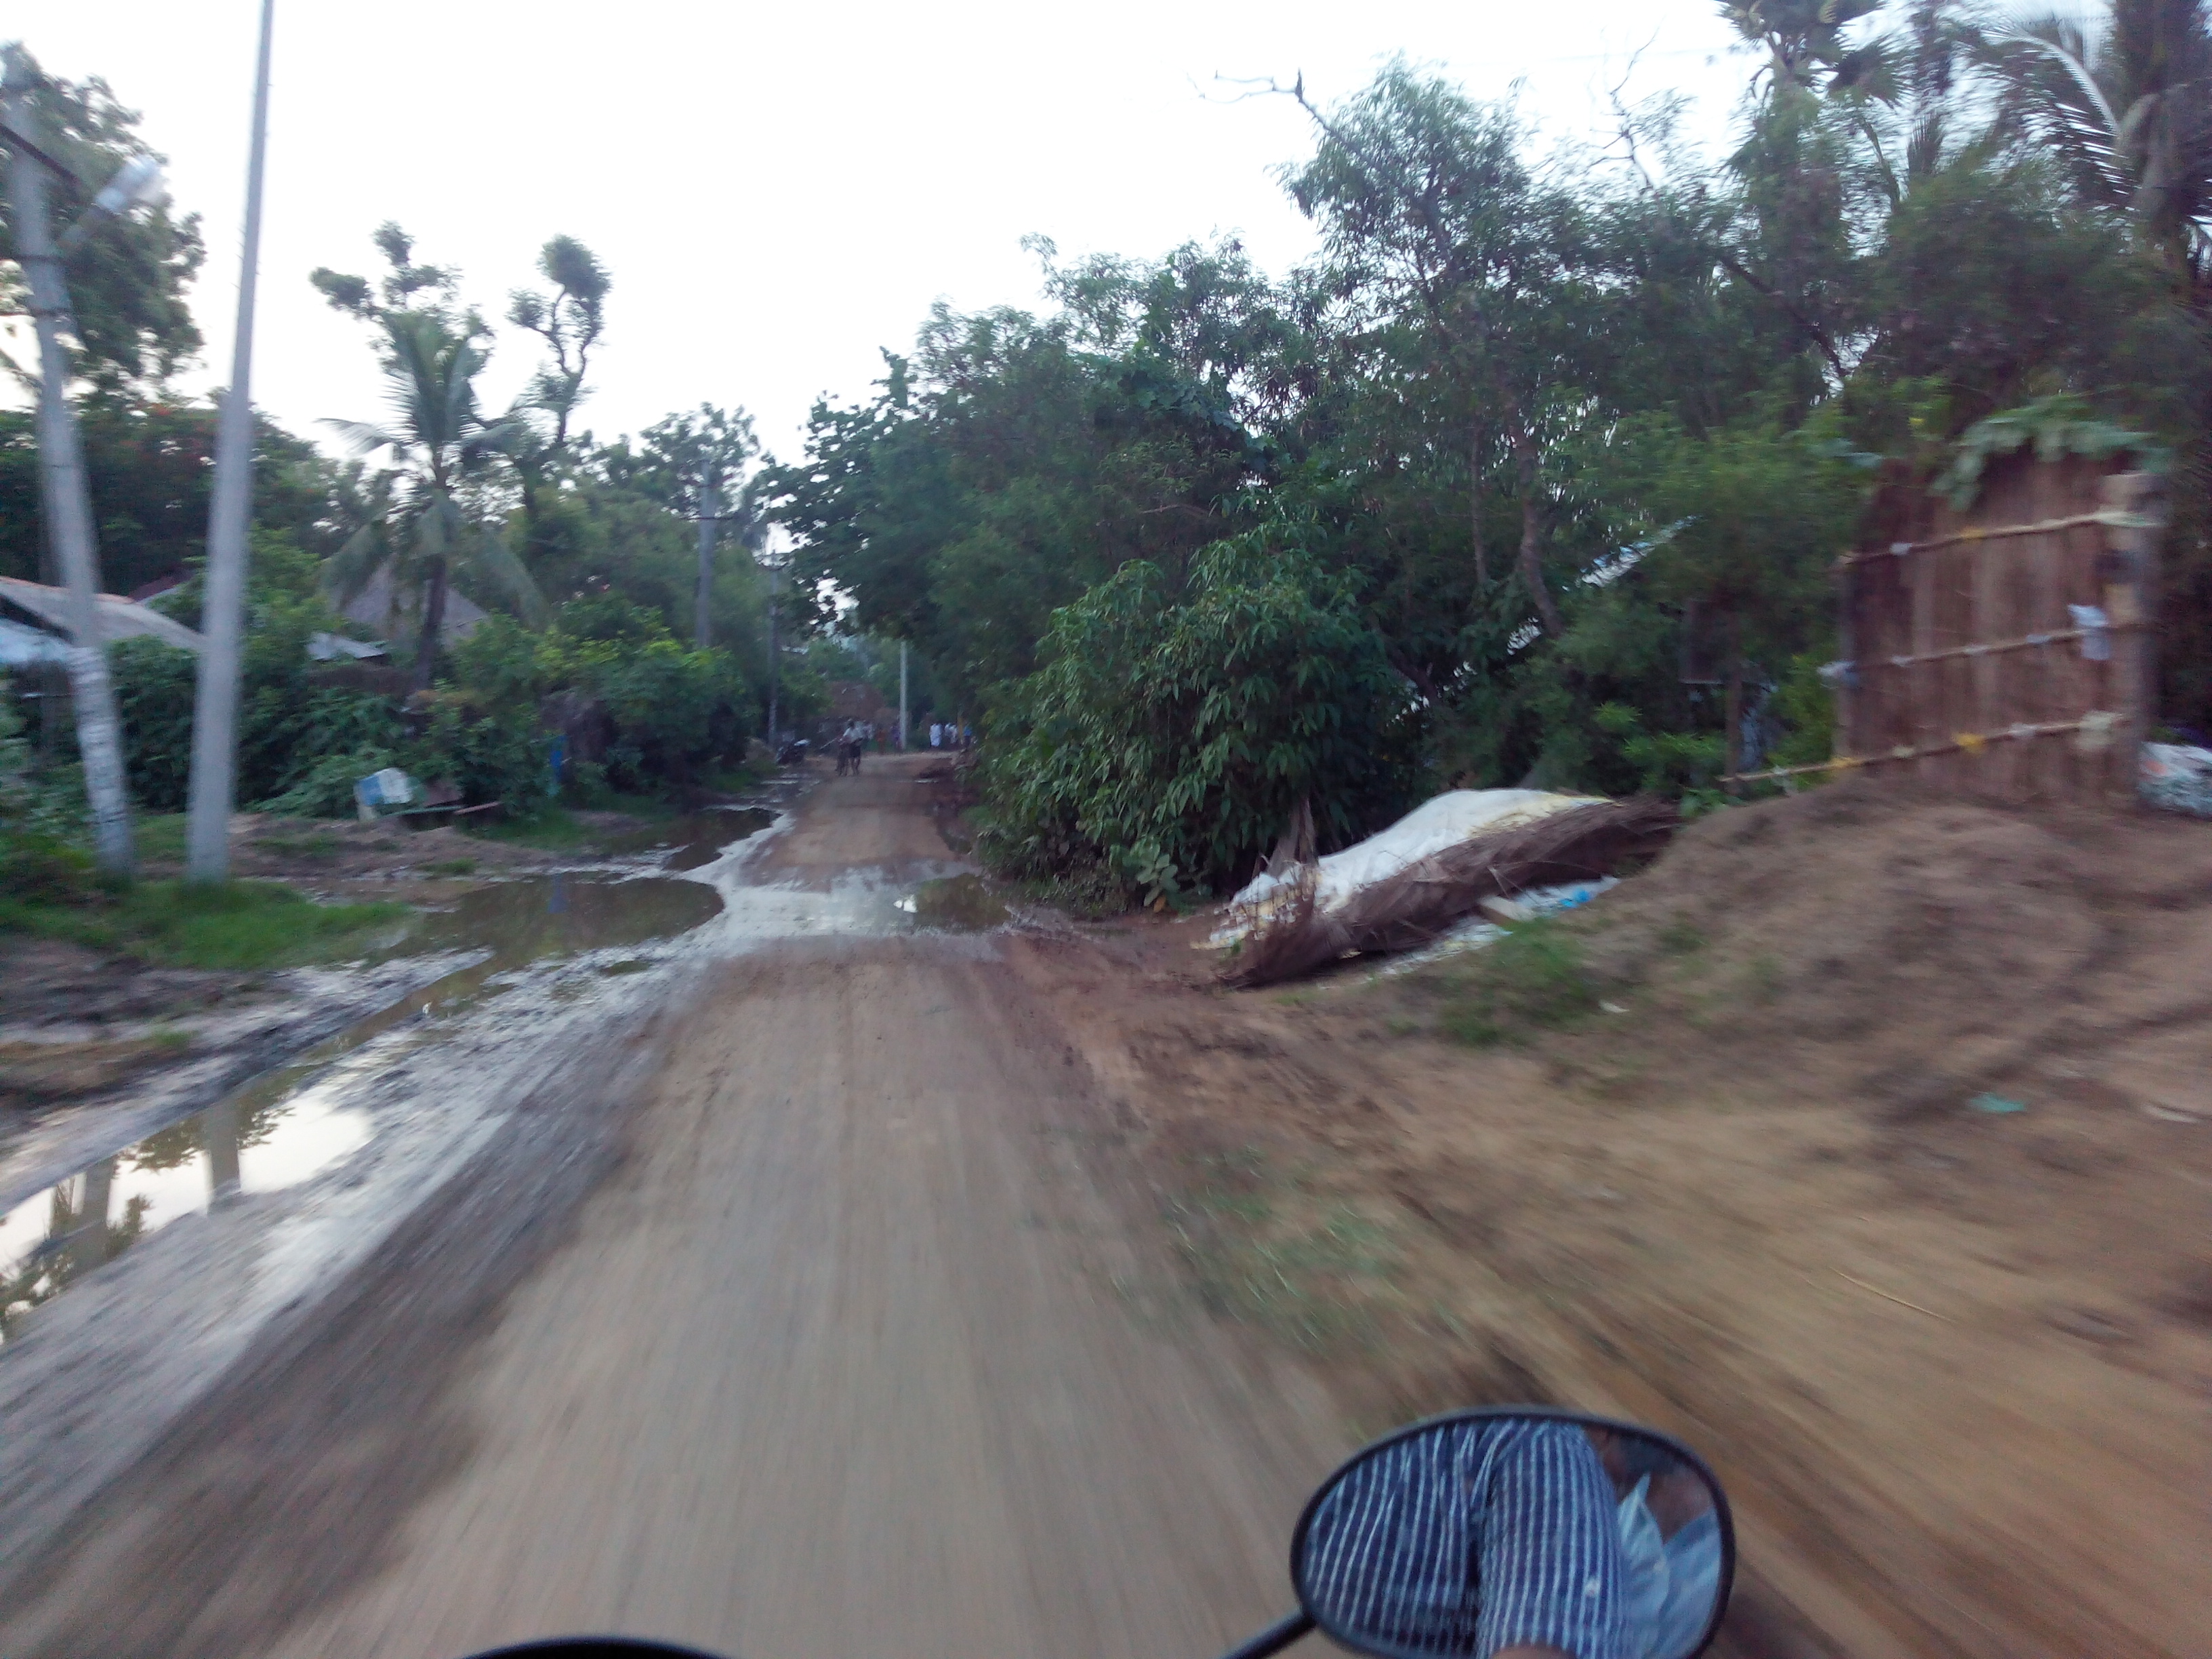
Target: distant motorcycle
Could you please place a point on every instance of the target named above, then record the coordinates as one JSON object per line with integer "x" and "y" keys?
{"x": 1499, "y": 1533}
{"x": 792, "y": 753}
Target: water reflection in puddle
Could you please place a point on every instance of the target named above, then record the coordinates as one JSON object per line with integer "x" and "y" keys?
{"x": 286, "y": 1126}
{"x": 235, "y": 1147}
{"x": 520, "y": 922}
{"x": 696, "y": 839}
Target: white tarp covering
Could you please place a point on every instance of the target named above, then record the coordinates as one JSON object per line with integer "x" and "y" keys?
{"x": 1429, "y": 829}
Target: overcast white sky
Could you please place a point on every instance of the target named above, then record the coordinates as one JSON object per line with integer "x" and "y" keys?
{"x": 777, "y": 191}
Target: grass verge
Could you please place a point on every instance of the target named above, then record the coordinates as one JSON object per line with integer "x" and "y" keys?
{"x": 558, "y": 829}
{"x": 1534, "y": 979}
{"x": 1263, "y": 1248}
{"x": 52, "y": 892}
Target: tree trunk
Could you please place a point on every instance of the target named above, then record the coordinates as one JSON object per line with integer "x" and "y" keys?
{"x": 1532, "y": 552}
{"x": 1532, "y": 537}
{"x": 1474, "y": 504}
{"x": 1733, "y": 704}
{"x": 433, "y": 620}
{"x": 64, "y": 495}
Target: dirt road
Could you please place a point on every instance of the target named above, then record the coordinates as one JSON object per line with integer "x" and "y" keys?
{"x": 803, "y": 1326}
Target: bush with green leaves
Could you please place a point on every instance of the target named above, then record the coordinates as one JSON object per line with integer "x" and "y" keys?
{"x": 498, "y": 754}
{"x": 677, "y": 712}
{"x": 324, "y": 788}
{"x": 1171, "y": 732}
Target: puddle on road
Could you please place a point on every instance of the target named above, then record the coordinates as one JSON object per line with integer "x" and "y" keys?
{"x": 959, "y": 903}
{"x": 697, "y": 838}
{"x": 284, "y": 1127}
{"x": 238, "y": 1146}
{"x": 520, "y": 922}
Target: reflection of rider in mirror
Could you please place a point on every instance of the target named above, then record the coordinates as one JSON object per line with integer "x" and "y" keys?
{"x": 1670, "y": 1541}
{"x": 1494, "y": 1538}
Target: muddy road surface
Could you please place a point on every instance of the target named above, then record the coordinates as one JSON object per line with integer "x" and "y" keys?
{"x": 800, "y": 1318}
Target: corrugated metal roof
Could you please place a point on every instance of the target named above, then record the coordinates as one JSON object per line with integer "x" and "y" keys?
{"x": 119, "y": 618}
{"x": 21, "y": 646}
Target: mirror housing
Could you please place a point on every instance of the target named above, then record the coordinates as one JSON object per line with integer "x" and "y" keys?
{"x": 1518, "y": 1530}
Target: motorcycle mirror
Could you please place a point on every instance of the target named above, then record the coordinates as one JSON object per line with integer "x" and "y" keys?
{"x": 1517, "y": 1533}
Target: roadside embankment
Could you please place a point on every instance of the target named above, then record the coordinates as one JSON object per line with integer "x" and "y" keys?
{"x": 1865, "y": 1141}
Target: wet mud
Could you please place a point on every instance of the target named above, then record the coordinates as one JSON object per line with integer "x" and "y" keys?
{"x": 276, "y": 1132}
{"x": 790, "y": 1316}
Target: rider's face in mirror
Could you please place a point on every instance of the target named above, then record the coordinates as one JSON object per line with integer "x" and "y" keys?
{"x": 1507, "y": 1537}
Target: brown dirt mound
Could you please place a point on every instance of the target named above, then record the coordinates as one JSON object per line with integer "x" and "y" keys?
{"x": 1941, "y": 1354}
{"x": 1824, "y": 916}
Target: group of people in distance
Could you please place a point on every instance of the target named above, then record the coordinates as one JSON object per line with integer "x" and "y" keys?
{"x": 858, "y": 737}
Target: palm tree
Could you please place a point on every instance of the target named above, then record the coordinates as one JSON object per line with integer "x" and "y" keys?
{"x": 2128, "y": 112}
{"x": 440, "y": 443}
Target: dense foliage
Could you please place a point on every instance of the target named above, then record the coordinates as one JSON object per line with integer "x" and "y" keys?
{"x": 1176, "y": 725}
{"x": 515, "y": 509}
{"x": 1532, "y": 474}
{"x": 1560, "y": 441}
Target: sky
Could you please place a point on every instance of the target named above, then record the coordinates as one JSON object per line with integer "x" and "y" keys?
{"x": 779, "y": 192}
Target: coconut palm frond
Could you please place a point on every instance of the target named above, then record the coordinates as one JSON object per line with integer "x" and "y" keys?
{"x": 2059, "y": 42}
{"x": 491, "y": 563}
{"x": 364, "y": 439}
{"x": 440, "y": 529}
{"x": 349, "y": 570}
{"x": 1924, "y": 150}
{"x": 437, "y": 433}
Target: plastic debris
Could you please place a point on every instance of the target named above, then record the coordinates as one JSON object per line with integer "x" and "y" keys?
{"x": 1476, "y": 930}
{"x": 389, "y": 788}
{"x": 2177, "y": 777}
{"x": 1996, "y": 1104}
{"x": 2096, "y": 631}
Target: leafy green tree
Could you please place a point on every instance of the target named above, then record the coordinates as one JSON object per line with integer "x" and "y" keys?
{"x": 149, "y": 465}
{"x": 569, "y": 319}
{"x": 1170, "y": 734}
{"x": 127, "y": 285}
{"x": 426, "y": 525}
{"x": 1436, "y": 221}
{"x": 294, "y": 714}
{"x": 570, "y": 316}
{"x": 2127, "y": 109}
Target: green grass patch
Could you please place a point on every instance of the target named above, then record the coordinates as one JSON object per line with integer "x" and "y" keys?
{"x": 451, "y": 867}
{"x": 1263, "y": 1248}
{"x": 53, "y": 892}
{"x": 555, "y": 829}
{"x": 558, "y": 829}
{"x": 161, "y": 837}
{"x": 1533, "y": 979}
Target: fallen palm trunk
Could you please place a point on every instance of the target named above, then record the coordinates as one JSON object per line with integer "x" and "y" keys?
{"x": 1414, "y": 905}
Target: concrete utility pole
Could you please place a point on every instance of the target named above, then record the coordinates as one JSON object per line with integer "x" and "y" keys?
{"x": 773, "y": 665}
{"x": 901, "y": 696}
{"x": 222, "y": 619}
{"x": 703, "y": 633}
{"x": 61, "y": 475}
